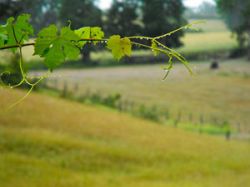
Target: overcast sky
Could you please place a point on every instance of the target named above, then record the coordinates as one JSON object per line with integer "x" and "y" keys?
{"x": 104, "y": 4}
{"x": 195, "y": 3}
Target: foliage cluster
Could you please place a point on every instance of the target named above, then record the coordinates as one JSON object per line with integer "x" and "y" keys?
{"x": 58, "y": 45}
{"x": 130, "y": 17}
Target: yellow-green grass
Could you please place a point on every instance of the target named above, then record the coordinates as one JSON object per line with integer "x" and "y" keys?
{"x": 209, "y": 25}
{"x": 214, "y": 37}
{"x": 221, "y": 95}
{"x": 208, "y": 42}
{"x": 50, "y": 142}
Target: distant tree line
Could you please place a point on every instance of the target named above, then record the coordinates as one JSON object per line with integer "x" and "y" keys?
{"x": 206, "y": 10}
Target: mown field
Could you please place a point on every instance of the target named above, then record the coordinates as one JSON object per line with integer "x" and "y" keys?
{"x": 51, "y": 142}
{"x": 215, "y": 95}
{"x": 209, "y": 25}
{"x": 214, "y": 37}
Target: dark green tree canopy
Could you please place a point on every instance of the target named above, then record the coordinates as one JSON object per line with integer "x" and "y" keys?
{"x": 81, "y": 12}
{"x": 160, "y": 16}
{"x": 237, "y": 16}
{"x": 146, "y": 17}
{"x": 123, "y": 18}
{"x": 236, "y": 13}
{"x": 44, "y": 12}
{"x": 9, "y": 8}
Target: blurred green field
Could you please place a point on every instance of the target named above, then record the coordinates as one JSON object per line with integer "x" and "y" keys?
{"x": 51, "y": 142}
{"x": 210, "y": 25}
{"x": 208, "y": 42}
{"x": 220, "y": 95}
{"x": 214, "y": 37}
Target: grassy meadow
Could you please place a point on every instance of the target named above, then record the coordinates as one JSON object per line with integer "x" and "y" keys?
{"x": 208, "y": 42}
{"x": 221, "y": 95}
{"x": 61, "y": 143}
{"x": 213, "y": 37}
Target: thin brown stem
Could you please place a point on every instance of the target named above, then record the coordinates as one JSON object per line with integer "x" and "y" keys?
{"x": 16, "y": 46}
{"x": 33, "y": 43}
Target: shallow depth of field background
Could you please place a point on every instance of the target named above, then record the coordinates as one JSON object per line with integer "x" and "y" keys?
{"x": 108, "y": 123}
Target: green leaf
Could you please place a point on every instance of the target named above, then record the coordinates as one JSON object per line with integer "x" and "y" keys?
{"x": 1, "y": 41}
{"x": 45, "y": 38}
{"x": 3, "y": 36}
{"x": 19, "y": 30}
{"x": 9, "y": 29}
{"x": 23, "y": 26}
{"x": 83, "y": 33}
{"x": 119, "y": 46}
{"x": 96, "y": 33}
{"x": 55, "y": 47}
{"x": 89, "y": 33}
{"x": 54, "y": 57}
{"x": 68, "y": 34}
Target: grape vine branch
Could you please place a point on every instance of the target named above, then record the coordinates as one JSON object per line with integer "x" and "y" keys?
{"x": 58, "y": 45}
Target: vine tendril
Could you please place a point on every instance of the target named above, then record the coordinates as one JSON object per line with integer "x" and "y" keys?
{"x": 75, "y": 40}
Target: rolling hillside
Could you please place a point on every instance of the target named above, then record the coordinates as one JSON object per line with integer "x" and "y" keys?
{"x": 217, "y": 96}
{"x": 51, "y": 142}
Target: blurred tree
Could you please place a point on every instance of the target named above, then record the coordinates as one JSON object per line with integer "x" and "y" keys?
{"x": 123, "y": 18}
{"x": 206, "y": 10}
{"x": 44, "y": 12}
{"x": 9, "y": 8}
{"x": 81, "y": 13}
{"x": 161, "y": 16}
{"x": 237, "y": 14}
